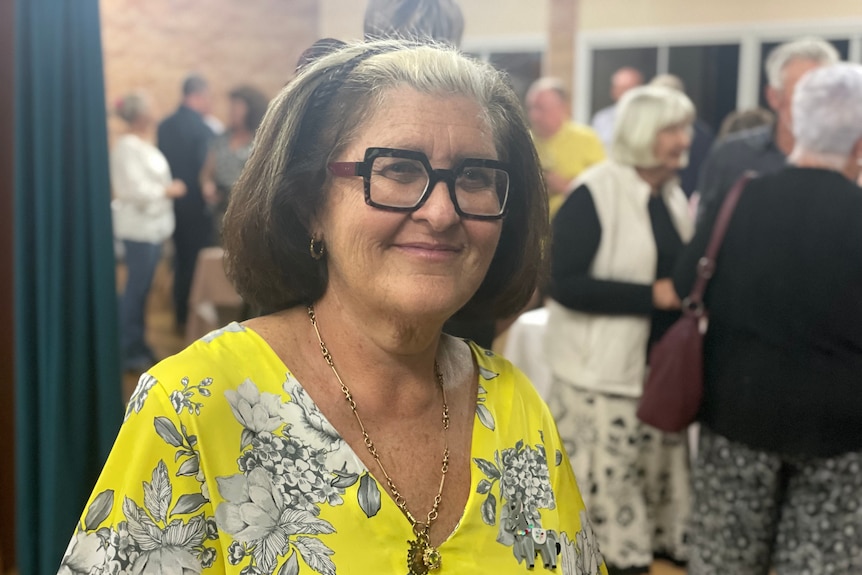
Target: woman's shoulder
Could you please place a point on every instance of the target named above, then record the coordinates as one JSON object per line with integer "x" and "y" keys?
{"x": 224, "y": 358}
{"x": 502, "y": 385}
{"x": 597, "y": 173}
{"x": 125, "y": 144}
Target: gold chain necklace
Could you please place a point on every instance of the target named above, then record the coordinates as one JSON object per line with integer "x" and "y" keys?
{"x": 421, "y": 557}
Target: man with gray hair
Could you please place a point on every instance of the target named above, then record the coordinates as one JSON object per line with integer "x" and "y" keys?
{"x": 764, "y": 149}
{"x": 565, "y": 148}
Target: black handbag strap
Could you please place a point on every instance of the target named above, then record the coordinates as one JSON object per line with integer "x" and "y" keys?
{"x": 693, "y": 304}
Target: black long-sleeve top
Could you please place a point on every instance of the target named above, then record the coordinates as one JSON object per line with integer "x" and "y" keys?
{"x": 577, "y": 235}
{"x": 783, "y": 354}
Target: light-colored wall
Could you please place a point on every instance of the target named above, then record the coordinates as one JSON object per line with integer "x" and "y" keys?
{"x": 154, "y": 44}
{"x": 610, "y": 14}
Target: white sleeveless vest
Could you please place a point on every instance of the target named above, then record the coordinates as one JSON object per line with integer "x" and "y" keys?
{"x": 607, "y": 353}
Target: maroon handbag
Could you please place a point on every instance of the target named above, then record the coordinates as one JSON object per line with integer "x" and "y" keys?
{"x": 674, "y": 387}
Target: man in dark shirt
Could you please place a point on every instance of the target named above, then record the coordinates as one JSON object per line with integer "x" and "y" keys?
{"x": 184, "y": 139}
{"x": 765, "y": 149}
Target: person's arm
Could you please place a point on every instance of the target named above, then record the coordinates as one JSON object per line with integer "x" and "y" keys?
{"x": 133, "y": 181}
{"x": 204, "y": 144}
{"x": 577, "y": 235}
{"x": 557, "y": 185}
{"x": 208, "y": 185}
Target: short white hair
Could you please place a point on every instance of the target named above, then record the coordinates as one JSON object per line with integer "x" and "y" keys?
{"x": 808, "y": 48}
{"x": 827, "y": 111}
{"x": 641, "y": 114}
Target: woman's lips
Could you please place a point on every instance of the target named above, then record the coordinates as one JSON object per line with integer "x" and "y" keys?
{"x": 430, "y": 251}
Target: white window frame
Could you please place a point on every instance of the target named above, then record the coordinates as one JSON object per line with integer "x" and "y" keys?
{"x": 748, "y": 35}
{"x": 484, "y": 46}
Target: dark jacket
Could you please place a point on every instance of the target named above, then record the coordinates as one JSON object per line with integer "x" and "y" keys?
{"x": 753, "y": 149}
{"x": 783, "y": 354}
{"x": 701, "y": 143}
{"x": 184, "y": 138}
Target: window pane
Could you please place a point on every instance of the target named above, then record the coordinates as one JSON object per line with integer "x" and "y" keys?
{"x": 608, "y": 61}
{"x": 710, "y": 75}
{"x": 523, "y": 68}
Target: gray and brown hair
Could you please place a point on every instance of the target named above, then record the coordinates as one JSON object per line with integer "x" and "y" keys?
{"x": 808, "y": 48}
{"x": 285, "y": 182}
{"x": 130, "y": 107}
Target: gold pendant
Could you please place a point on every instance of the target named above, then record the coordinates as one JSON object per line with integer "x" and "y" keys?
{"x": 421, "y": 557}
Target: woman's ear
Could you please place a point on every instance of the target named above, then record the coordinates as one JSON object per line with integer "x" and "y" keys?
{"x": 856, "y": 153}
{"x": 855, "y": 163}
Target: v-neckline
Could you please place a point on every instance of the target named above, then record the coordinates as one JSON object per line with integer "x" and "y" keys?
{"x": 475, "y": 429}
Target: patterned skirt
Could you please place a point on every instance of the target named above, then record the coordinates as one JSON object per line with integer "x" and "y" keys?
{"x": 634, "y": 479}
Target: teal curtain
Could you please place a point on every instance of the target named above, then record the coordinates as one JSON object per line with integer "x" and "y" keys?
{"x": 68, "y": 401}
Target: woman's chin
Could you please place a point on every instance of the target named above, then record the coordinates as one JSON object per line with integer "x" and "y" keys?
{"x": 428, "y": 306}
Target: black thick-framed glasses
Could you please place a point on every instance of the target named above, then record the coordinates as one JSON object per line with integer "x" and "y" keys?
{"x": 402, "y": 180}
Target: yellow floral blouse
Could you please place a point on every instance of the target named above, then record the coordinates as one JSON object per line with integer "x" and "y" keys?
{"x": 225, "y": 465}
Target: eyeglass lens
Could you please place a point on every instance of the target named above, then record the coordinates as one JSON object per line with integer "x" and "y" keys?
{"x": 401, "y": 183}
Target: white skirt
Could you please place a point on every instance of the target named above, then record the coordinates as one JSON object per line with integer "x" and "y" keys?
{"x": 634, "y": 478}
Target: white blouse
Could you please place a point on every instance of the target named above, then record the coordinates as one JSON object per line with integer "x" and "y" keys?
{"x": 139, "y": 176}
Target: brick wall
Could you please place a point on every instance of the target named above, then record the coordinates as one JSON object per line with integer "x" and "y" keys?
{"x": 562, "y": 32}
{"x": 154, "y": 44}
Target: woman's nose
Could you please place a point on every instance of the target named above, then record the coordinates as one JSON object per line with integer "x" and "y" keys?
{"x": 438, "y": 209}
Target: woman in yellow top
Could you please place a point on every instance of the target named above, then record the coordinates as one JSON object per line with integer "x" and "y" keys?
{"x": 393, "y": 185}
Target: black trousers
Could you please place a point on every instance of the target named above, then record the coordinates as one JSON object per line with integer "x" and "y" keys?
{"x": 193, "y": 232}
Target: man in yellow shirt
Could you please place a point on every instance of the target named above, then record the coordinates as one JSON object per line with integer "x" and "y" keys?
{"x": 565, "y": 148}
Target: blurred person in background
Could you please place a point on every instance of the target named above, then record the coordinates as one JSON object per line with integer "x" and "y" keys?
{"x": 565, "y": 148}
{"x": 778, "y": 474}
{"x": 392, "y": 185}
{"x": 741, "y": 120}
{"x": 616, "y": 241}
{"x": 143, "y": 219}
{"x": 184, "y": 138}
{"x": 229, "y": 151}
{"x": 701, "y": 142}
{"x": 435, "y": 20}
{"x": 603, "y": 122}
{"x": 764, "y": 149}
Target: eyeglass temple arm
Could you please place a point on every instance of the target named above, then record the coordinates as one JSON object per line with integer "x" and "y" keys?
{"x": 345, "y": 169}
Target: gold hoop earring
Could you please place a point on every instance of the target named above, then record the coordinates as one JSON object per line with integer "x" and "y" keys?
{"x": 316, "y": 254}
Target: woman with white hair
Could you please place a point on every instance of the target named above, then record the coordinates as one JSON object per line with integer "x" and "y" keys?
{"x": 616, "y": 242}
{"x": 778, "y": 477}
{"x": 143, "y": 219}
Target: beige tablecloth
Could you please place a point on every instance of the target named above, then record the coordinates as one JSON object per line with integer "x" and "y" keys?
{"x": 212, "y": 299}
{"x": 525, "y": 347}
